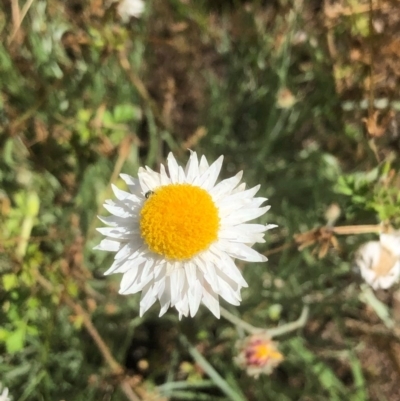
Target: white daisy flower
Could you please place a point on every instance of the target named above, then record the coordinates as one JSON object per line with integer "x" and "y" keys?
{"x": 4, "y": 394}
{"x": 130, "y": 8}
{"x": 379, "y": 261}
{"x": 176, "y": 235}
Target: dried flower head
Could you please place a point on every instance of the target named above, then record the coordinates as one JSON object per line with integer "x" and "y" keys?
{"x": 258, "y": 354}
{"x": 379, "y": 261}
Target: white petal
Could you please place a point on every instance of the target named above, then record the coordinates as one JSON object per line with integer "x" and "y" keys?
{"x": 148, "y": 180}
{"x": 111, "y": 220}
{"x": 249, "y": 228}
{"x": 228, "y": 208}
{"x": 190, "y": 270}
{"x": 232, "y": 198}
{"x": 227, "y": 293}
{"x": 144, "y": 277}
{"x": 120, "y": 194}
{"x": 368, "y": 275}
{"x": 159, "y": 287}
{"x": 210, "y": 300}
{"x": 132, "y": 183}
{"x": 122, "y": 266}
{"x": 142, "y": 175}
{"x": 128, "y": 279}
{"x": 164, "y": 179}
{"x": 109, "y": 245}
{"x": 194, "y": 295}
{"x": 127, "y": 250}
{"x": 203, "y": 165}
{"x": 270, "y": 226}
{"x": 173, "y": 168}
{"x": 225, "y": 186}
{"x": 122, "y": 233}
{"x": 117, "y": 221}
{"x": 256, "y": 202}
{"x": 165, "y": 297}
{"x": 391, "y": 243}
{"x": 236, "y": 235}
{"x": 243, "y": 215}
{"x": 212, "y": 174}
{"x": 182, "y": 306}
{"x": 147, "y": 298}
{"x": 240, "y": 188}
{"x": 160, "y": 270}
{"x": 177, "y": 279}
{"x": 211, "y": 277}
{"x": 385, "y": 282}
{"x": 165, "y": 304}
{"x": 390, "y": 278}
{"x": 368, "y": 255}
{"x": 227, "y": 265}
{"x": 181, "y": 176}
{"x": 118, "y": 210}
{"x": 192, "y": 168}
{"x": 241, "y": 251}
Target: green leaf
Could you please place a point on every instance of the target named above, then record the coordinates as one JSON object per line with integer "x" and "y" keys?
{"x": 327, "y": 378}
{"x": 126, "y": 112}
{"x": 15, "y": 341}
{"x": 10, "y": 281}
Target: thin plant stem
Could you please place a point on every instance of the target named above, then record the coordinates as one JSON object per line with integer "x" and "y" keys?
{"x": 237, "y": 321}
{"x": 292, "y": 326}
{"x": 233, "y": 395}
{"x": 274, "y": 332}
{"x": 32, "y": 206}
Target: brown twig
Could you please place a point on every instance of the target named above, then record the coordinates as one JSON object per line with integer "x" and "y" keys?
{"x": 19, "y": 18}
{"x": 148, "y": 100}
{"x": 116, "y": 368}
{"x": 15, "y": 13}
{"x": 361, "y": 229}
{"x": 279, "y": 248}
{"x": 378, "y": 330}
{"x": 141, "y": 88}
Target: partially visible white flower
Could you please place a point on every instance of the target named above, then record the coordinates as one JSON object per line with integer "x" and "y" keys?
{"x": 379, "y": 261}
{"x": 4, "y": 394}
{"x": 391, "y": 242}
{"x": 130, "y": 8}
{"x": 176, "y": 235}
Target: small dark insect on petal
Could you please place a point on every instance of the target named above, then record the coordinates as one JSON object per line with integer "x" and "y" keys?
{"x": 148, "y": 194}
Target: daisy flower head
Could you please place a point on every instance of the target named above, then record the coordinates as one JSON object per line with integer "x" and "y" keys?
{"x": 379, "y": 261}
{"x": 258, "y": 354}
{"x": 176, "y": 235}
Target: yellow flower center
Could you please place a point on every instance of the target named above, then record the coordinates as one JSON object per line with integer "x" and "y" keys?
{"x": 178, "y": 221}
{"x": 265, "y": 351}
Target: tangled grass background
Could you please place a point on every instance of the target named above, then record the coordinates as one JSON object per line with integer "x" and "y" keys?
{"x": 302, "y": 96}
